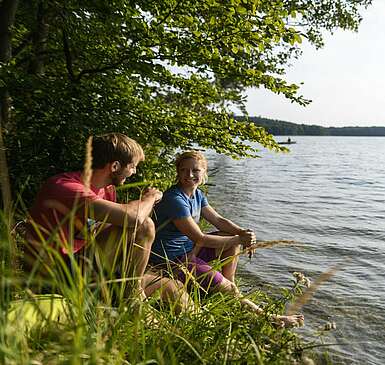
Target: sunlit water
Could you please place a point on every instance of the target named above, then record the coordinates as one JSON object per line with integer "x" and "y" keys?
{"x": 328, "y": 194}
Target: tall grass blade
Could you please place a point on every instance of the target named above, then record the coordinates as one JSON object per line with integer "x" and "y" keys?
{"x": 88, "y": 165}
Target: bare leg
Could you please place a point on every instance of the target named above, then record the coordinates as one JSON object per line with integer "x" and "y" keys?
{"x": 171, "y": 291}
{"x": 229, "y": 287}
{"x": 127, "y": 250}
{"x": 230, "y": 255}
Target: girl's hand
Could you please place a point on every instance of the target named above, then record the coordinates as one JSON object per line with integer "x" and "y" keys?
{"x": 248, "y": 241}
{"x": 247, "y": 238}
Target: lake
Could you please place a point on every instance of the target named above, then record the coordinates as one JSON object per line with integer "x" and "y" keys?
{"x": 328, "y": 194}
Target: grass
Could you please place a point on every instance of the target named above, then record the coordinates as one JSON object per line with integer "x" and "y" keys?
{"x": 83, "y": 324}
{"x": 221, "y": 333}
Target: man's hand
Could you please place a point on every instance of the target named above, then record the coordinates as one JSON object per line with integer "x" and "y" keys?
{"x": 153, "y": 193}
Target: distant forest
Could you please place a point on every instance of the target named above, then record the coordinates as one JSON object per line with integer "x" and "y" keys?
{"x": 280, "y": 127}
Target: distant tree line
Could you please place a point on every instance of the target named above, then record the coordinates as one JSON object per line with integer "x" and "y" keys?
{"x": 280, "y": 127}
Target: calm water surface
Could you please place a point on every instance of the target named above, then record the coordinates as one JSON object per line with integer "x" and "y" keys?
{"x": 328, "y": 194}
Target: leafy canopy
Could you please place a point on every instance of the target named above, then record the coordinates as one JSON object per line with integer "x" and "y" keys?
{"x": 164, "y": 72}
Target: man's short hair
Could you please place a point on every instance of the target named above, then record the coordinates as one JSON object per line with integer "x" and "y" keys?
{"x": 112, "y": 147}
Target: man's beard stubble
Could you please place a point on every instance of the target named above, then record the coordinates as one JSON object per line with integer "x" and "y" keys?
{"x": 117, "y": 178}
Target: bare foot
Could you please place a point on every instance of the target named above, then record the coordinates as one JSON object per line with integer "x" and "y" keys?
{"x": 251, "y": 306}
{"x": 296, "y": 320}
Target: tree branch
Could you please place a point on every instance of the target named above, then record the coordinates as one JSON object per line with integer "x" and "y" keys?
{"x": 68, "y": 57}
{"x": 39, "y": 40}
{"x": 22, "y": 44}
{"x": 7, "y": 18}
{"x": 96, "y": 70}
{"x": 172, "y": 11}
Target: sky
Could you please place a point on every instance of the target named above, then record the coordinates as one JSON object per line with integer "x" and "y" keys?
{"x": 345, "y": 79}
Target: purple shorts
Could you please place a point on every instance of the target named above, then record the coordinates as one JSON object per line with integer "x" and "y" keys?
{"x": 200, "y": 269}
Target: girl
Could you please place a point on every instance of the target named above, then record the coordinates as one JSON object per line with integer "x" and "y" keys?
{"x": 179, "y": 240}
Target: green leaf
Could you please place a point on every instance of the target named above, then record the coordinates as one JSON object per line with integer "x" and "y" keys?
{"x": 241, "y": 10}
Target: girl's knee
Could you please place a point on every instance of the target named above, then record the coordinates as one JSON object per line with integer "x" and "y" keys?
{"x": 234, "y": 251}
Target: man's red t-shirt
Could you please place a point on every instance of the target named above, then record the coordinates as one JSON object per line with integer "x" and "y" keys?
{"x": 60, "y": 209}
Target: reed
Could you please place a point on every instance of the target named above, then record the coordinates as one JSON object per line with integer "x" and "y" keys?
{"x": 86, "y": 320}
{"x": 308, "y": 294}
{"x": 88, "y": 317}
{"x": 87, "y": 170}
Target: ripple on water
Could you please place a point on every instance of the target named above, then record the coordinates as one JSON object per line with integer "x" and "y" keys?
{"x": 329, "y": 195}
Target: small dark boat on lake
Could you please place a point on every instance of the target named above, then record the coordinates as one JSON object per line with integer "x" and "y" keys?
{"x": 289, "y": 141}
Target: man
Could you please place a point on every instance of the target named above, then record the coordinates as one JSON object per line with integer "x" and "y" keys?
{"x": 68, "y": 215}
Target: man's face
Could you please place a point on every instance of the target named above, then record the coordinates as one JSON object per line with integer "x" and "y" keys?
{"x": 119, "y": 176}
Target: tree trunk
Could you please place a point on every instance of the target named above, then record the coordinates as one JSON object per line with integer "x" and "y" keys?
{"x": 7, "y": 18}
{"x": 39, "y": 40}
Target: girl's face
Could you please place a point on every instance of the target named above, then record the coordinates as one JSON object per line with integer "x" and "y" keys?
{"x": 191, "y": 173}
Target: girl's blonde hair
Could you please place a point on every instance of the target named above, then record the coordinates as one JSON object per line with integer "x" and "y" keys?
{"x": 196, "y": 155}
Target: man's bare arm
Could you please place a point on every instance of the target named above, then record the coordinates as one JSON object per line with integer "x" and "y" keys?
{"x": 131, "y": 214}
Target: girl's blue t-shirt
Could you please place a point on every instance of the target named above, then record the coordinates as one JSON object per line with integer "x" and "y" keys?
{"x": 169, "y": 241}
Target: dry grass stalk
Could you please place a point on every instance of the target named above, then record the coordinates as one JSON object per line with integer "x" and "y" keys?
{"x": 267, "y": 244}
{"x": 87, "y": 174}
{"x": 308, "y": 294}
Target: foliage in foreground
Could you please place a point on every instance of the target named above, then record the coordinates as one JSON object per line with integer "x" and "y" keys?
{"x": 222, "y": 332}
{"x": 92, "y": 322}
{"x": 164, "y": 72}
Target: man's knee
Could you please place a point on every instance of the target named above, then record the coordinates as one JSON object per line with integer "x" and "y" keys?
{"x": 147, "y": 229}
